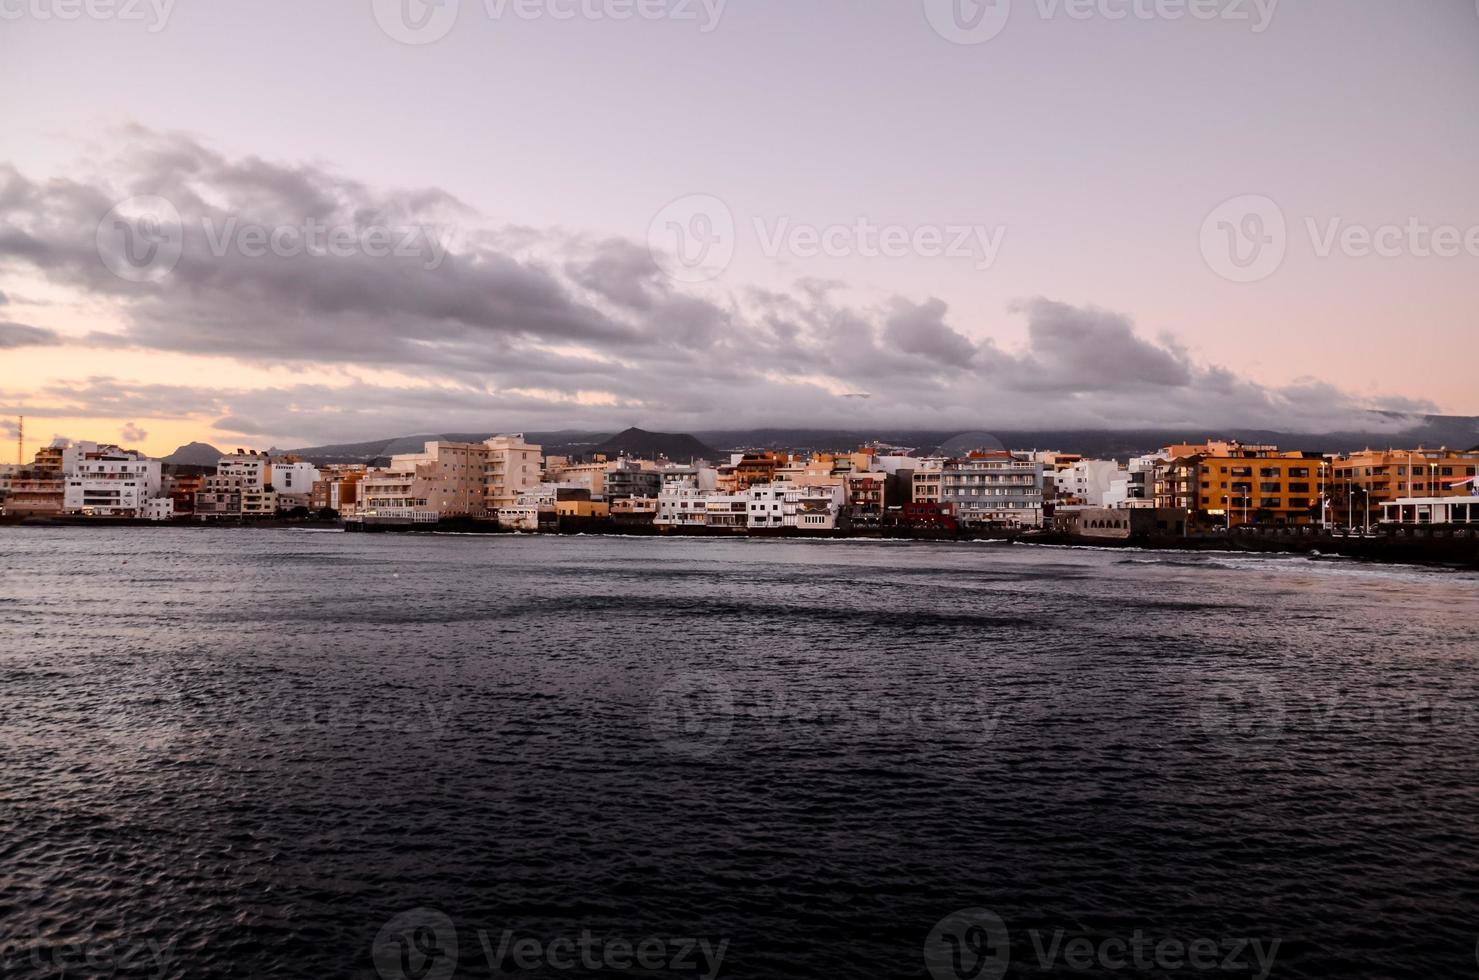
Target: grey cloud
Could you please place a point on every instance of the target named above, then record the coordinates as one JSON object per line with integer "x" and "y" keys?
{"x": 1073, "y": 349}
{"x": 922, "y": 330}
{"x": 13, "y": 335}
{"x": 523, "y": 327}
{"x": 132, "y": 433}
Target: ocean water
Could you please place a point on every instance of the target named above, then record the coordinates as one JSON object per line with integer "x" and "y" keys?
{"x": 253, "y": 753}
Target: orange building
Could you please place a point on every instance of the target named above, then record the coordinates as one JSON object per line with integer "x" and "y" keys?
{"x": 1363, "y": 481}
{"x": 1236, "y": 485}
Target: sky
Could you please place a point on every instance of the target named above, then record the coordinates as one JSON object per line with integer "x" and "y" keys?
{"x": 286, "y": 224}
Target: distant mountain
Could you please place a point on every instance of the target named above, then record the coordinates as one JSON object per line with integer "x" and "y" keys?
{"x": 194, "y": 454}
{"x": 562, "y": 443}
{"x": 641, "y": 444}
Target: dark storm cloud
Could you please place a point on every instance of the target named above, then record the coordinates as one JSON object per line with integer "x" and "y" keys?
{"x": 519, "y": 327}
{"x": 14, "y": 335}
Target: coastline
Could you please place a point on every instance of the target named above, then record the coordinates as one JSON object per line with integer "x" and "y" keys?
{"x": 1424, "y": 545}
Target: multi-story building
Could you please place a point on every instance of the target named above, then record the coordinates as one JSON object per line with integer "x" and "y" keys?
{"x": 994, "y": 488}
{"x": 590, "y": 474}
{"x": 258, "y": 502}
{"x": 35, "y": 493}
{"x": 220, "y": 496}
{"x": 630, "y": 479}
{"x": 1362, "y": 483}
{"x": 926, "y": 485}
{"x": 293, "y": 476}
{"x": 254, "y": 469}
{"x": 8, "y": 472}
{"x": 775, "y": 506}
{"x": 690, "y": 507}
{"x": 1087, "y": 482}
{"x": 446, "y": 480}
{"x": 337, "y": 489}
{"x": 512, "y": 465}
{"x": 106, "y": 481}
{"x": 1236, "y": 485}
{"x": 181, "y": 489}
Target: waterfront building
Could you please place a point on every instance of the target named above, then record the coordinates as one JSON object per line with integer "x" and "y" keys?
{"x": 337, "y": 489}
{"x": 1087, "y": 481}
{"x": 258, "y": 502}
{"x": 159, "y": 509}
{"x": 680, "y": 507}
{"x": 220, "y": 496}
{"x": 181, "y": 489}
{"x": 35, "y": 493}
{"x": 1236, "y": 485}
{"x": 446, "y": 480}
{"x": 1363, "y": 483}
{"x": 994, "y": 489}
{"x": 1431, "y": 510}
{"x": 106, "y": 481}
{"x": 512, "y": 465}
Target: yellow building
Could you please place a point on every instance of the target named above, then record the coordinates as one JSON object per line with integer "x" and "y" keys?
{"x": 582, "y": 508}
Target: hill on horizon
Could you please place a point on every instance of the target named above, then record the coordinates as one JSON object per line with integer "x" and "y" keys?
{"x": 641, "y": 444}
{"x": 194, "y": 454}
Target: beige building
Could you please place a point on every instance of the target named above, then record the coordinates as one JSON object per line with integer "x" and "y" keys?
{"x": 446, "y": 480}
{"x": 511, "y": 467}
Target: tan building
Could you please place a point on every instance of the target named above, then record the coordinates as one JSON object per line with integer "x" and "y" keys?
{"x": 446, "y": 480}
{"x": 512, "y": 466}
{"x": 926, "y": 486}
{"x": 1362, "y": 482}
{"x": 590, "y": 476}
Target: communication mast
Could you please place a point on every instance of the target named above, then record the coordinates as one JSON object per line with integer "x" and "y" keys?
{"x": 20, "y": 441}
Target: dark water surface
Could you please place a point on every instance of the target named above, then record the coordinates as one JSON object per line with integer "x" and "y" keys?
{"x": 259, "y": 753}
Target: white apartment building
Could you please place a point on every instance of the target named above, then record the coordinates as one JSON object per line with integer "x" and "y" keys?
{"x": 105, "y": 481}
{"x": 524, "y": 513}
{"x": 783, "y": 505}
{"x": 296, "y": 478}
{"x": 768, "y": 506}
{"x": 1088, "y": 481}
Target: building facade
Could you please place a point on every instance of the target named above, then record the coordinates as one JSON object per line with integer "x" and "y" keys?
{"x": 994, "y": 489}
